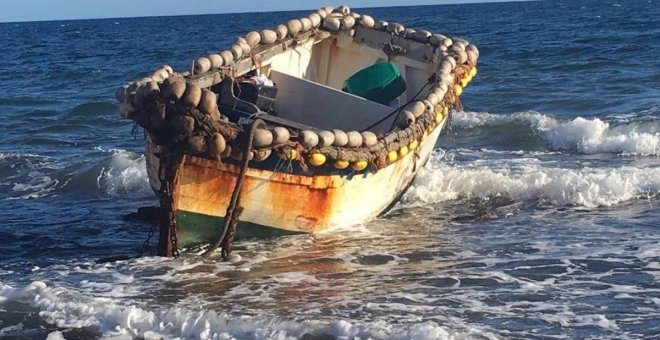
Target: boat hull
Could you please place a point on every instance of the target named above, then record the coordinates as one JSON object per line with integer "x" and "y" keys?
{"x": 278, "y": 203}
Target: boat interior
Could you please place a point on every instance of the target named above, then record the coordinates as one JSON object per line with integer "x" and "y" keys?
{"x": 310, "y": 82}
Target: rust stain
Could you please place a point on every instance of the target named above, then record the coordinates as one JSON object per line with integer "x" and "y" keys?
{"x": 302, "y": 203}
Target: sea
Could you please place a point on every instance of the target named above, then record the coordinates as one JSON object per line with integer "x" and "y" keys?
{"x": 538, "y": 216}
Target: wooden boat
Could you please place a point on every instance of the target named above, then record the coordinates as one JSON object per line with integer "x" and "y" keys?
{"x": 311, "y": 156}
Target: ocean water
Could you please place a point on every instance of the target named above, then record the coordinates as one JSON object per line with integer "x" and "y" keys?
{"x": 538, "y": 216}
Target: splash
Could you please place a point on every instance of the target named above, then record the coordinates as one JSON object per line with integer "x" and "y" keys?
{"x": 126, "y": 173}
{"x": 586, "y": 136}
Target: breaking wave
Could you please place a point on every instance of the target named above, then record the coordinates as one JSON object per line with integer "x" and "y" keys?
{"x": 587, "y": 187}
{"x": 29, "y": 176}
{"x": 582, "y": 135}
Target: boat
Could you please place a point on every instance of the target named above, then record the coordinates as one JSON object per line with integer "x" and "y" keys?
{"x": 318, "y": 123}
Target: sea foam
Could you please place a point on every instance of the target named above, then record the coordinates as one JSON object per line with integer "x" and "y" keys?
{"x": 68, "y": 309}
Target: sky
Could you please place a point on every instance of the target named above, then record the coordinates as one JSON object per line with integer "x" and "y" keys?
{"x": 40, "y": 10}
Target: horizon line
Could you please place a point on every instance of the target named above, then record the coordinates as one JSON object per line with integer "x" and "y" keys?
{"x": 248, "y": 12}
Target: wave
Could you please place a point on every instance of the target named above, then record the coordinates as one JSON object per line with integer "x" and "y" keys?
{"x": 582, "y": 135}
{"x": 69, "y": 309}
{"x": 28, "y": 176}
{"x": 587, "y": 187}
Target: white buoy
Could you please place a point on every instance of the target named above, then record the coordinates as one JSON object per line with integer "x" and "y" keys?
{"x": 450, "y": 60}
{"x": 281, "y": 31}
{"x": 193, "y": 95}
{"x": 347, "y": 22}
{"x": 253, "y": 38}
{"x": 240, "y": 41}
{"x": 406, "y": 118}
{"x": 461, "y": 57}
{"x": 262, "y": 137}
{"x": 328, "y": 9}
{"x": 473, "y": 49}
{"x": 447, "y": 79}
{"x": 326, "y": 138}
{"x": 280, "y": 135}
{"x": 416, "y": 108}
{"x": 367, "y": 21}
{"x": 461, "y": 41}
{"x": 458, "y": 47}
{"x": 396, "y": 28}
{"x": 322, "y": 13}
{"x": 178, "y": 88}
{"x": 216, "y": 61}
{"x": 294, "y": 26}
{"x": 308, "y": 139}
{"x": 341, "y": 139}
{"x": 369, "y": 138}
{"x": 217, "y": 146}
{"x": 160, "y": 75}
{"x": 422, "y": 36}
{"x": 472, "y": 57}
{"x": 409, "y": 33}
{"x": 236, "y": 51}
{"x": 440, "y": 92}
{"x": 331, "y": 24}
{"x": 227, "y": 58}
{"x": 168, "y": 68}
{"x": 436, "y": 40}
{"x": 428, "y": 106}
{"x": 445, "y": 67}
{"x": 202, "y": 65}
{"x": 354, "y": 139}
{"x": 315, "y": 18}
{"x": 306, "y": 24}
{"x": 208, "y": 104}
{"x": 433, "y": 98}
{"x": 343, "y": 10}
{"x": 268, "y": 36}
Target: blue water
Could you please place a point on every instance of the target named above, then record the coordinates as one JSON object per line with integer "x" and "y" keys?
{"x": 538, "y": 216}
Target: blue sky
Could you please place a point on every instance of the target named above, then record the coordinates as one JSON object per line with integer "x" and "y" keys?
{"x": 37, "y": 10}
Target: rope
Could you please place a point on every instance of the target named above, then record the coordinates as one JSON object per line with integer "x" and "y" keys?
{"x": 233, "y": 209}
{"x": 398, "y": 110}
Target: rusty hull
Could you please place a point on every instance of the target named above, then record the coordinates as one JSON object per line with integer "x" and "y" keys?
{"x": 291, "y": 202}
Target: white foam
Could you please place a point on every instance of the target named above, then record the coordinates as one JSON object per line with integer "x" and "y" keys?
{"x": 68, "y": 309}
{"x": 127, "y": 173}
{"x": 588, "y": 187}
{"x": 588, "y": 136}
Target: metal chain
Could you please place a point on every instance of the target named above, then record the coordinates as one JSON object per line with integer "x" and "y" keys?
{"x": 171, "y": 220}
{"x": 145, "y": 245}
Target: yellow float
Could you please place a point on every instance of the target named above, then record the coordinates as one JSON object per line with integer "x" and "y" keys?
{"x": 341, "y": 164}
{"x": 403, "y": 151}
{"x": 392, "y": 156}
{"x": 317, "y": 159}
{"x": 360, "y": 165}
{"x": 458, "y": 89}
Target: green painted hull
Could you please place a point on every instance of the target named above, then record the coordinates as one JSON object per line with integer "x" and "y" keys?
{"x": 197, "y": 229}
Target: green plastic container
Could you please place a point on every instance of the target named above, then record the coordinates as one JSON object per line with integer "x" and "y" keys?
{"x": 380, "y": 83}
